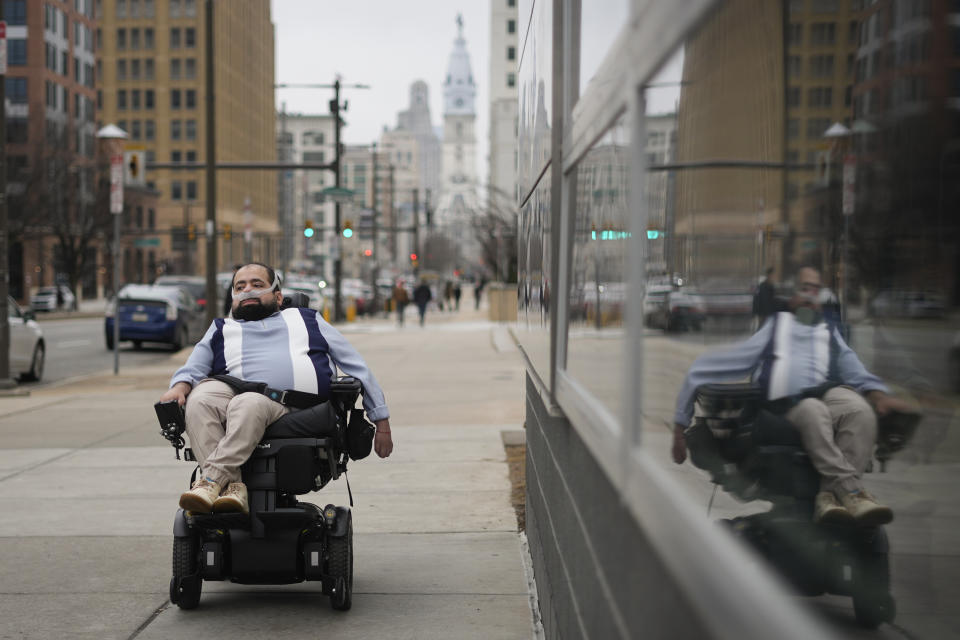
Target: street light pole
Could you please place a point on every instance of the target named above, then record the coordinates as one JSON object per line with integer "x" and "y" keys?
{"x": 374, "y": 254}
{"x": 211, "y": 153}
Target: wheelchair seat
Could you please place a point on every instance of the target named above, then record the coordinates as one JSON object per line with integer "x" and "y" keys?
{"x": 319, "y": 421}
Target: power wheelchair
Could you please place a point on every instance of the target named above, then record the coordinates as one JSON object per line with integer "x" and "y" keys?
{"x": 281, "y": 540}
{"x": 755, "y": 454}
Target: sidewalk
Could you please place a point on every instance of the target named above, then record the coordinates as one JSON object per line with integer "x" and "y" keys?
{"x": 89, "y": 489}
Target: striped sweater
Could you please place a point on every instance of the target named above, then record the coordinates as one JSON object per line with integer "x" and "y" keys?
{"x": 291, "y": 349}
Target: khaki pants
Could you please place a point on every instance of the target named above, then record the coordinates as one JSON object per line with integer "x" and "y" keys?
{"x": 839, "y": 432}
{"x": 224, "y": 427}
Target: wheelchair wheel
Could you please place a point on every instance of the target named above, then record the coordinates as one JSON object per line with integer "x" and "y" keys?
{"x": 872, "y": 603}
{"x": 186, "y": 583}
{"x": 340, "y": 566}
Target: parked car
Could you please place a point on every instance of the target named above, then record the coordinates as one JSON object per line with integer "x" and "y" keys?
{"x": 673, "y": 309}
{"x": 155, "y": 313}
{"x": 907, "y": 304}
{"x": 47, "y": 299}
{"x": 28, "y": 349}
{"x": 196, "y": 285}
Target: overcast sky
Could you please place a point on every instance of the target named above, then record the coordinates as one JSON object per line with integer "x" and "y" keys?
{"x": 386, "y": 44}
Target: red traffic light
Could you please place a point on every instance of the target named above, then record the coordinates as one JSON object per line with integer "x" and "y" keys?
{"x": 368, "y": 252}
{"x": 413, "y": 256}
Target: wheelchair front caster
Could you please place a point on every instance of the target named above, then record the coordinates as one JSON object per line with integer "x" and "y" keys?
{"x": 186, "y": 583}
{"x": 873, "y": 609}
{"x": 340, "y": 567}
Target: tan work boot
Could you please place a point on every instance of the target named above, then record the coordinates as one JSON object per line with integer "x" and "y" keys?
{"x": 233, "y": 500}
{"x": 865, "y": 508}
{"x": 828, "y": 510}
{"x": 201, "y": 496}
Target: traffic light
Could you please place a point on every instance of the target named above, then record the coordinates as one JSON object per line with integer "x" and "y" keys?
{"x": 227, "y": 232}
{"x": 308, "y": 229}
{"x": 368, "y": 252}
{"x": 191, "y": 231}
{"x": 347, "y": 228}
{"x": 134, "y": 166}
{"x": 413, "y": 257}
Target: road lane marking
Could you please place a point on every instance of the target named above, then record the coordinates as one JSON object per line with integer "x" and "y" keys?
{"x": 72, "y": 343}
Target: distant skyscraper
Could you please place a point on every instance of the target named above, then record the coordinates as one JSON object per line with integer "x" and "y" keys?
{"x": 458, "y": 189}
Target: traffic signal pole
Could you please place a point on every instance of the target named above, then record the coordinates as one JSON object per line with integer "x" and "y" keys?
{"x": 6, "y": 382}
{"x": 338, "y": 262}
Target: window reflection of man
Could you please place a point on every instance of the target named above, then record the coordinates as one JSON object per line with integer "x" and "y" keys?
{"x": 807, "y": 370}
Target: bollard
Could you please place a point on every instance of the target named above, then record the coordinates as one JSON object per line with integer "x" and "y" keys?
{"x": 351, "y": 310}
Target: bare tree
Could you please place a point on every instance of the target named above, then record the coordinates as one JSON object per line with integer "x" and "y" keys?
{"x": 495, "y": 228}
{"x": 63, "y": 195}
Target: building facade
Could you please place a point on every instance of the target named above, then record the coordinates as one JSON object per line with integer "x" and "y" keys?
{"x": 51, "y": 154}
{"x": 151, "y": 84}
{"x": 412, "y": 156}
{"x": 625, "y": 542}
{"x": 504, "y": 108}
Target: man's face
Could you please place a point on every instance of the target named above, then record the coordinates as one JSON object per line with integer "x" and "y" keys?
{"x": 249, "y": 278}
{"x": 807, "y": 290}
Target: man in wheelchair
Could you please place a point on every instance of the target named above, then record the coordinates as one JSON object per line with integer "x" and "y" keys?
{"x": 294, "y": 352}
{"x": 810, "y": 376}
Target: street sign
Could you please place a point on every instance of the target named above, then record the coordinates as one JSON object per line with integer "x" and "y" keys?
{"x": 146, "y": 242}
{"x": 3, "y": 47}
{"x": 116, "y": 184}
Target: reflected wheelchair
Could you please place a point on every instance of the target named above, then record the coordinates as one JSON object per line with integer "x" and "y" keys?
{"x": 755, "y": 454}
{"x": 281, "y": 540}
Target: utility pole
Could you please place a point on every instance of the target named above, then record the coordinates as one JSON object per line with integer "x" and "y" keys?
{"x": 374, "y": 254}
{"x": 211, "y": 152}
{"x": 393, "y": 217}
{"x": 416, "y": 228}
{"x": 338, "y": 261}
{"x": 6, "y": 382}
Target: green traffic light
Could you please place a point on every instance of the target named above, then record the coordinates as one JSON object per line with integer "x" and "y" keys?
{"x": 348, "y": 233}
{"x": 308, "y": 233}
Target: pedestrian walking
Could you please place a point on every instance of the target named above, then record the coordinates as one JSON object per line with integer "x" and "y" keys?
{"x": 456, "y": 295}
{"x": 448, "y": 295}
{"x": 477, "y": 292}
{"x": 400, "y": 300}
{"x": 422, "y": 297}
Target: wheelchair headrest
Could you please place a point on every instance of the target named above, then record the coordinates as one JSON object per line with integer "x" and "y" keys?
{"x": 295, "y": 300}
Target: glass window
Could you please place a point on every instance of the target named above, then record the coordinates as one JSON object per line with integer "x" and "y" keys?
{"x": 176, "y": 131}
{"x": 148, "y": 69}
{"x": 176, "y": 156}
{"x": 601, "y": 22}
{"x": 175, "y": 37}
{"x": 191, "y": 190}
{"x": 175, "y": 67}
{"x": 148, "y": 38}
{"x": 190, "y": 68}
{"x": 121, "y": 39}
{"x": 135, "y": 99}
{"x": 135, "y": 69}
{"x": 16, "y": 90}
{"x": 122, "y": 99}
{"x": 190, "y": 99}
{"x": 175, "y": 98}
{"x": 149, "y": 130}
{"x": 599, "y": 277}
{"x": 190, "y": 37}
{"x": 191, "y": 129}
{"x": 136, "y": 132}
{"x": 176, "y": 9}
{"x": 15, "y": 12}
{"x": 176, "y": 190}
{"x": 16, "y": 51}
{"x": 148, "y": 99}
{"x": 511, "y": 53}
{"x": 134, "y": 39}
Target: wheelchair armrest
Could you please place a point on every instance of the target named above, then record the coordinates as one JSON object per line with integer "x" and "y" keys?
{"x": 345, "y": 390}
{"x": 894, "y": 432}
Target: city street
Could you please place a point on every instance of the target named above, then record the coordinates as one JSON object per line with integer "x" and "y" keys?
{"x": 90, "y": 489}
{"x": 76, "y": 347}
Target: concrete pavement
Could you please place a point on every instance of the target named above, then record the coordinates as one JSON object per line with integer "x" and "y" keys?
{"x": 89, "y": 488}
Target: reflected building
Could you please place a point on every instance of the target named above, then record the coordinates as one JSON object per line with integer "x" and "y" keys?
{"x": 726, "y": 118}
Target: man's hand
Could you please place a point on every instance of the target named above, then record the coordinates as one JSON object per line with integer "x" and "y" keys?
{"x": 177, "y": 392}
{"x": 383, "y": 442}
{"x": 884, "y": 404}
{"x": 679, "y": 449}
